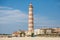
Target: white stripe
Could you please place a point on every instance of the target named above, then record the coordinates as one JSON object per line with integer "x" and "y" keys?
{"x": 30, "y": 12}
{"x": 30, "y": 17}
{"x": 30, "y": 28}
{"x": 30, "y": 8}
{"x": 30, "y": 24}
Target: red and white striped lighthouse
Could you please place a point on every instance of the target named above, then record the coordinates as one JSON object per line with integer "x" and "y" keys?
{"x": 30, "y": 20}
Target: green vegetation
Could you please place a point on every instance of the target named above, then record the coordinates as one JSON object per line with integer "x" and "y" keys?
{"x": 32, "y": 35}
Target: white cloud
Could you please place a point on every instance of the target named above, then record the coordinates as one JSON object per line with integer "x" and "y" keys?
{"x": 1, "y": 7}
{"x": 11, "y": 16}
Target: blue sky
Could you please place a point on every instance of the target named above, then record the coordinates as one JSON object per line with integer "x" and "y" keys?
{"x": 14, "y": 14}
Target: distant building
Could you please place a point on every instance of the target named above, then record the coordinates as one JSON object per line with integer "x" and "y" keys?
{"x": 42, "y": 31}
{"x": 39, "y": 31}
{"x": 18, "y": 34}
{"x": 56, "y": 30}
{"x": 49, "y": 31}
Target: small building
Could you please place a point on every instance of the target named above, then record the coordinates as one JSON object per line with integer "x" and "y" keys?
{"x": 18, "y": 34}
{"x": 56, "y": 30}
{"x": 36, "y": 31}
{"x": 39, "y": 31}
{"x": 49, "y": 30}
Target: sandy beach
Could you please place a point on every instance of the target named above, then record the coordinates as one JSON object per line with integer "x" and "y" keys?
{"x": 31, "y": 38}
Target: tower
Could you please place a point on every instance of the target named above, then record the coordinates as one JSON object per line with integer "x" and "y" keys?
{"x": 30, "y": 20}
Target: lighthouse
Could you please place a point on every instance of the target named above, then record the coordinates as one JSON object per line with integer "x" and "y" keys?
{"x": 30, "y": 20}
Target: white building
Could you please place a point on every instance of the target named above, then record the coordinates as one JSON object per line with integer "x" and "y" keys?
{"x": 39, "y": 31}
{"x": 49, "y": 31}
